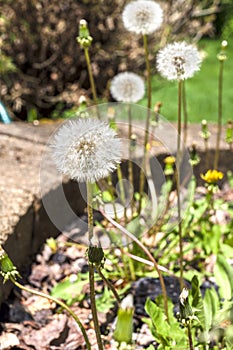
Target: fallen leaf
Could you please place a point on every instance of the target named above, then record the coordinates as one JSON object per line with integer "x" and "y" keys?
{"x": 54, "y": 333}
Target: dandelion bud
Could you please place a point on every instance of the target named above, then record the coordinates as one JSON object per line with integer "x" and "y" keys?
{"x": 222, "y": 54}
{"x": 205, "y": 134}
{"x": 169, "y": 165}
{"x": 224, "y": 44}
{"x": 194, "y": 157}
{"x": 124, "y": 325}
{"x": 82, "y": 100}
{"x": 186, "y": 312}
{"x": 7, "y": 268}
{"x": 95, "y": 252}
{"x": 84, "y": 38}
{"x": 133, "y": 140}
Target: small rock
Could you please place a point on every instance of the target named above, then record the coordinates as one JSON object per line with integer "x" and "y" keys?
{"x": 8, "y": 340}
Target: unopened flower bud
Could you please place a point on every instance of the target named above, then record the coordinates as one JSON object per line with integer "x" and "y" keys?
{"x": 84, "y": 38}
{"x": 222, "y": 54}
{"x": 124, "y": 325}
{"x": 95, "y": 252}
{"x": 205, "y": 134}
{"x": 186, "y": 312}
{"x": 194, "y": 157}
{"x": 169, "y": 165}
{"x": 7, "y": 268}
{"x": 133, "y": 140}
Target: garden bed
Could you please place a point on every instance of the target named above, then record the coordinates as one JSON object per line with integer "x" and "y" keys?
{"x": 26, "y": 226}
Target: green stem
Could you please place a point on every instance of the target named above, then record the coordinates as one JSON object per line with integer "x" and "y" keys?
{"x": 90, "y": 211}
{"x": 93, "y": 306}
{"x": 147, "y": 252}
{"x": 132, "y": 270}
{"x": 190, "y": 338}
{"x": 185, "y": 113}
{"x": 220, "y": 82}
{"x": 178, "y": 163}
{"x": 145, "y": 43}
{"x": 206, "y": 153}
{"x": 91, "y": 78}
{"x": 122, "y": 191}
{"x": 109, "y": 284}
{"x": 91, "y": 268}
{"x": 130, "y": 163}
{"x": 59, "y": 302}
{"x": 147, "y": 126}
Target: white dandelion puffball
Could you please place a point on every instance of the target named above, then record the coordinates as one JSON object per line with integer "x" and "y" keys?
{"x": 178, "y": 61}
{"x": 127, "y": 87}
{"x": 142, "y": 16}
{"x": 86, "y": 149}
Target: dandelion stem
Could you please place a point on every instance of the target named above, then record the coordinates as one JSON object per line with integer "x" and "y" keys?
{"x": 206, "y": 143}
{"x": 145, "y": 42}
{"x": 122, "y": 191}
{"x": 185, "y": 113}
{"x": 220, "y": 84}
{"x": 178, "y": 164}
{"x": 59, "y": 302}
{"x": 147, "y": 252}
{"x": 93, "y": 306}
{"x": 91, "y": 78}
{"x": 110, "y": 285}
{"x": 91, "y": 268}
{"x": 90, "y": 210}
{"x": 190, "y": 338}
{"x": 130, "y": 163}
{"x": 147, "y": 126}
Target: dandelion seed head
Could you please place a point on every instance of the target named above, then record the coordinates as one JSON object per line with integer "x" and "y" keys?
{"x": 86, "y": 149}
{"x": 178, "y": 61}
{"x": 142, "y": 16}
{"x": 127, "y": 87}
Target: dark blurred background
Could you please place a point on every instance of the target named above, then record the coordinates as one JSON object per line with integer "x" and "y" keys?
{"x": 43, "y": 70}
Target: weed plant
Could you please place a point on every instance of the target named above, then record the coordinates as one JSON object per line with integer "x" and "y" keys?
{"x": 170, "y": 232}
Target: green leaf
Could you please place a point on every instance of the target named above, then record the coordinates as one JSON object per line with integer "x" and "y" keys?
{"x": 211, "y": 307}
{"x": 69, "y": 291}
{"x": 151, "y": 347}
{"x": 215, "y": 239}
{"x": 105, "y": 301}
{"x": 161, "y": 327}
{"x": 224, "y": 277}
{"x": 197, "y": 302}
{"x": 169, "y": 335}
{"x": 227, "y": 250}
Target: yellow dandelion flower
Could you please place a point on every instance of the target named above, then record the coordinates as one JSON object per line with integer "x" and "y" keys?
{"x": 169, "y": 160}
{"x": 212, "y": 176}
